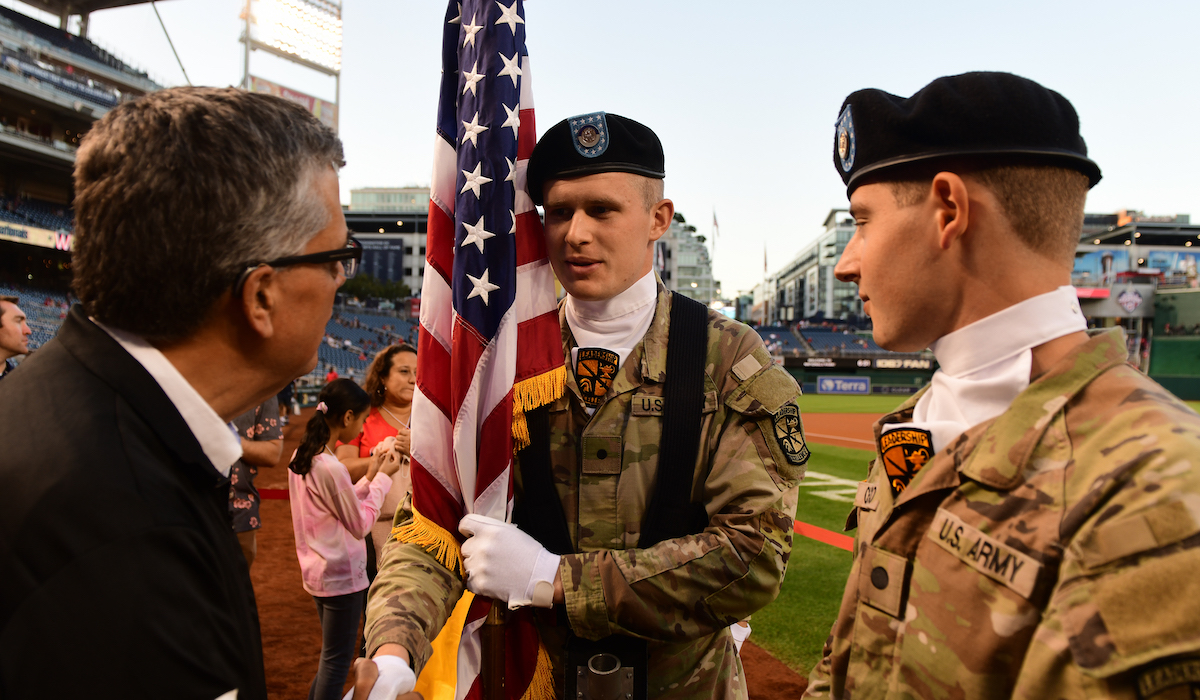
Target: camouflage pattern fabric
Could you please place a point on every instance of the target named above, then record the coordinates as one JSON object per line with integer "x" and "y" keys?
{"x": 680, "y": 594}
{"x": 1052, "y": 552}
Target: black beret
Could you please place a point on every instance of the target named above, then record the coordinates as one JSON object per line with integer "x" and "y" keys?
{"x": 594, "y": 143}
{"x": 993, "y": 117}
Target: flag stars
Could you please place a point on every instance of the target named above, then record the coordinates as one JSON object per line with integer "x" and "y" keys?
{"x": 514, "y": 115}
{"x": 470, "y": 30}
{"x": 470, "y": 78}
{"x": 458, "y": 18}
{"x": 509, "y": 16}
{"x": 512, "y": 170}
{"x": 511, "y": 68}
{"x": 475, "y": 180}
{"x": 472, "y": 129}
{"x": 513, "y": 214}
{"x": 476, "y": 234}
{"x": 481, "y": 287}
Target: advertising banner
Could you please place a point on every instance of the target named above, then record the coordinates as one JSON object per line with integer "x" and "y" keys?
{"x": 325, "y": 111}
{"x": 35, "y": 236}
{"x": 383, "y": 259}
{"x": 843, "y": 385}
{"x": 811, "y": 296}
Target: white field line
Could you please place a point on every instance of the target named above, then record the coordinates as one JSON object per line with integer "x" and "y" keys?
{"x": 839, "y": 437}
{"x": 843, "y": 490}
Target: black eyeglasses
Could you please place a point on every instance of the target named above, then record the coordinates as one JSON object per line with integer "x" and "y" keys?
{"x": 349, "y": 258}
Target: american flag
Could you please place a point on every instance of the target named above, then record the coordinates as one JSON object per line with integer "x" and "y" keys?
{"x": 490, "y": 345}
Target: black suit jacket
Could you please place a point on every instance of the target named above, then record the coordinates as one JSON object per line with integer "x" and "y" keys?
{"x": 119, "y": 571}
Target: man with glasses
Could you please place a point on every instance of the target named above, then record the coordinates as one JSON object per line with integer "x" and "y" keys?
{"x": 209, "y": 244}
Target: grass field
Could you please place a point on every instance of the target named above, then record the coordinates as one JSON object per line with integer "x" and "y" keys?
{"x": 794, "y": 627}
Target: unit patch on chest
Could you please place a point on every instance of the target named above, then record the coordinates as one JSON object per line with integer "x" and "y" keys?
{"x": 985, "y": 554}
{"x": 904, "y": 451}
{"x": 788, "y": 434}
{"x": 595, "y": 369}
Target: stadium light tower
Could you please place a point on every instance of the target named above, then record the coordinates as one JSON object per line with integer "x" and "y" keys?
{"x": 307, "y": 32}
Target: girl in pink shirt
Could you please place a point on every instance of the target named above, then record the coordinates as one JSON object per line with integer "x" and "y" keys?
{"x": 330, "y": 516}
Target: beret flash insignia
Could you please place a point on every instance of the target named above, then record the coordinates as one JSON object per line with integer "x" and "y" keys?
{"x": 845, "y": 140}
{"x": 589, "y": 134}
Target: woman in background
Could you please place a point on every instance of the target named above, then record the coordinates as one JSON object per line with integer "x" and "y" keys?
{"x": 390, "y": 382}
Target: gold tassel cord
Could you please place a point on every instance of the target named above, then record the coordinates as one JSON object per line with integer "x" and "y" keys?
{"x": 541, "y": 686}
{"x": 431, "y": 537}
{"x": 531, "y": 393}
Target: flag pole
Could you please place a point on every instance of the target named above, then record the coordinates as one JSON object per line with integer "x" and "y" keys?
{"x": 491, "y": 638}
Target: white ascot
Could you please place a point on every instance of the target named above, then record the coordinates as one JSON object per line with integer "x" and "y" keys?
{"x": 615, "y": 324}
{"x": 984, "y": 366}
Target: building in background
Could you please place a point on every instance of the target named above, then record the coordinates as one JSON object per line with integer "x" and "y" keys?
{"x": 391, "y": 223}
{"x": 805, "y": 289}
{"x": 390, "y": 199}
{"x": 682, "y": 261}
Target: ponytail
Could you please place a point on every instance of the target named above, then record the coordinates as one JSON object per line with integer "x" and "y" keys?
{"x": 336, "y": 398}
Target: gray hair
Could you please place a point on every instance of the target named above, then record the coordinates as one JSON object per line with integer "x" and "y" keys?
{"x": 178, "y": 191}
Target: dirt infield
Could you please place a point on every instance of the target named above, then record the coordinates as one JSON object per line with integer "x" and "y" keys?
{"x": 841, "y": 429}
{"x": 291, "y": 634}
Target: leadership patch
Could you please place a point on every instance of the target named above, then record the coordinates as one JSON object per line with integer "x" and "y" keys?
{"x": 1166, "y": 681}
{"x": 789, "y": 435}
{"x": 595, "y": 369}
{"x": 905, "y": 451}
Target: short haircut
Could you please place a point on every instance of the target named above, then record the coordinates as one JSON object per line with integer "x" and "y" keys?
{"x": 10, "y": 299}
{"x": 652, "y": 191}
{"x": 1043, "y": 203}
{"x": 380, "y": 368}
{"x": 177, "y": 191}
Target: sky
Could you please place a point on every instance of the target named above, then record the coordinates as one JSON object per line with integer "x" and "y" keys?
{"x": 743, "y": 95}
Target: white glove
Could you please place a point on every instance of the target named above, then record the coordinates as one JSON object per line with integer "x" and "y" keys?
{"x": 395, "y": 678}
{"x": 741, "y": 632}
{"x": 506, "y": 564}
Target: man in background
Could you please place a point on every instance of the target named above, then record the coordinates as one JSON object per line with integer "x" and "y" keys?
{"x": 209, "y": 245}
{"x": 14, "y": 333}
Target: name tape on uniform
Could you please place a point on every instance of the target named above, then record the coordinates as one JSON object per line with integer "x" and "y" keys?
{"x": 985, "y": 554}
{"x": 867, "y": 497}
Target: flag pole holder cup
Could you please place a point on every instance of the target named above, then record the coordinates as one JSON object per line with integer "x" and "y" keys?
{"x": 613, "y": 668}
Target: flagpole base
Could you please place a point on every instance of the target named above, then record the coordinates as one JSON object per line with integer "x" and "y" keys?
{"x": 491, "y": 640}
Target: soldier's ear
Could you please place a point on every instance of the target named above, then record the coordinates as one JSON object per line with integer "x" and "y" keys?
{"x": 663, "y": 213}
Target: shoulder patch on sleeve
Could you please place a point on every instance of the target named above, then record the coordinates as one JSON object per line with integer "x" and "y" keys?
{"x": 747, "y": 367}
{"x": 1163, "y": 680}
{"x": 790, "y": 435}
{"x": 1152, "y": 528}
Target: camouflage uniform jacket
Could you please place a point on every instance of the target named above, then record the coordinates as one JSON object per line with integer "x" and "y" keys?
{"x": 1051, "y": 552}
{"x": 681, "y": 594}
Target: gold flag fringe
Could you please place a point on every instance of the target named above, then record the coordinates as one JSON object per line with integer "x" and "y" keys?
{"x": 529, "y": 394}
{"x": 430, "y": 536}
{"x": 541, "y": 686}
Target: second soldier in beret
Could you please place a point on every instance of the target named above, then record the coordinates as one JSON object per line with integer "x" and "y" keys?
{"x": 1030, "y": 527}
{"x": 655, "y": 502}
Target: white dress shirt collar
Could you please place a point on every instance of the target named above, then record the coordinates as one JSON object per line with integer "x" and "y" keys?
{"x": 219, "y": 443}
